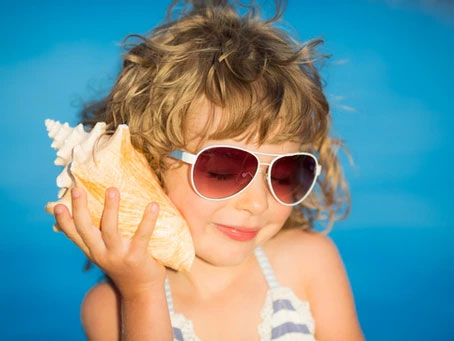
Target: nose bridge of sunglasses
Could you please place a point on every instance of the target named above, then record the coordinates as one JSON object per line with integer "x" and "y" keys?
{"x": 263, "y": 167}
{"x": 265, "y": 159}
{"x": 250, "y": 174}
{"x": 259, "y": 178}
{"x": 261, "y": 172}
{"x": 264, "y": 162}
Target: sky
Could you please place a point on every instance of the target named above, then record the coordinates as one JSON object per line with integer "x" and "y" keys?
{"x": 389, "y": 84}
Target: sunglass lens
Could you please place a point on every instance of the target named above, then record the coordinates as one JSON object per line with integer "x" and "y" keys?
{"x": 292, "y": 177}
{"x": 221, "y": 171}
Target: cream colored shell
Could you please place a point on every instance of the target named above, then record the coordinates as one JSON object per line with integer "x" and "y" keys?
{"x": 115, "y": 162}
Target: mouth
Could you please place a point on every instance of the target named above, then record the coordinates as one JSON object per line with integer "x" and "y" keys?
{"x": 238, "y": 233}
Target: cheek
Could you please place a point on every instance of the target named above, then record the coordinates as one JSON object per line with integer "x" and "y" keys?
{"x": 179, "y": 189}
{"x": 284, "y": 212}
{"x": 279, "y": 216}
{"x": 285, "y": 216}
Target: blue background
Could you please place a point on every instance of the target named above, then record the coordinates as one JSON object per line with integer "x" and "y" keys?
{"x": 389, "y": 83}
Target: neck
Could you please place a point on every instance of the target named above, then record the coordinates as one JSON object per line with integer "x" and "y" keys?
{"x": 206, "y": 280}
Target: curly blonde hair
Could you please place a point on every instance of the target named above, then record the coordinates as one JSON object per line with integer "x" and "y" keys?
{"x": 265, "y": 82}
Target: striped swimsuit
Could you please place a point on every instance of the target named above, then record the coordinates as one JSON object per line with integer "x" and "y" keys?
{"x": 284, "y": 316}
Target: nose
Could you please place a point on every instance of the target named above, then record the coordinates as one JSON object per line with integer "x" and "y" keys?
{"x": 255, "y": 198}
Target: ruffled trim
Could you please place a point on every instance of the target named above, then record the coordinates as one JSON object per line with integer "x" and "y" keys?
{"x": 301, "y": 315}
{"x": 185, "y": 326}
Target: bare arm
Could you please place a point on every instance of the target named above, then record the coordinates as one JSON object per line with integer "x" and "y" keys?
{"x": 137, "y": 276}
{"x": 330, "y": 294}
{"x": 103, "y": 312}
{"x": 146, "y": 317}
{"x": 100, "y": 313}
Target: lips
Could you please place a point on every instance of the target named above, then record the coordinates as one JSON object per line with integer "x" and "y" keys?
{"x": 238, "y": 233}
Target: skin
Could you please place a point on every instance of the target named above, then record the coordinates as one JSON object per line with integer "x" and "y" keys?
{"x": 224, "y": 273}
{"x": 138, "y": 277}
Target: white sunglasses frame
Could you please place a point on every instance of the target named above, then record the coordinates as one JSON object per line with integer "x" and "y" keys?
{"x": 192, "y": 158}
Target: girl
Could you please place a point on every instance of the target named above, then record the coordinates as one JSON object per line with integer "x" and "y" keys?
{"x": 246, "y": 101}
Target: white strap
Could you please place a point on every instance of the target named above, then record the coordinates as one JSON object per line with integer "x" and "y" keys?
{"x": 169, "y": 296}
{"x": 266, "y": 268}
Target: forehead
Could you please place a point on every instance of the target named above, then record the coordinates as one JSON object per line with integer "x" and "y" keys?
{"x": 203, "y": 120}
{"x": 206, "y": 119}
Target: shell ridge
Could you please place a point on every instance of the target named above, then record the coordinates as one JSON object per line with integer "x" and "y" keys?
{"x": 98, "y": 161}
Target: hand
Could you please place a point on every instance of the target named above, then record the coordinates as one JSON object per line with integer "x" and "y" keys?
{"x": 126, "y": 261}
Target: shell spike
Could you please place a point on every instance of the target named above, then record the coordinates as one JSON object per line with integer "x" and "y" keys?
{"x": 65, "y": 138}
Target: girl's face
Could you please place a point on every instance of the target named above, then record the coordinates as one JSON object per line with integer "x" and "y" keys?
{"x": 213, "y": 223}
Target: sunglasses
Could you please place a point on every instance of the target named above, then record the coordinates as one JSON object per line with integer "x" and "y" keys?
{"x": 220, "y": 172}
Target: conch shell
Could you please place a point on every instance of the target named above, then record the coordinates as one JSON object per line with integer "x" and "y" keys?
{"x": 94, "y": 162}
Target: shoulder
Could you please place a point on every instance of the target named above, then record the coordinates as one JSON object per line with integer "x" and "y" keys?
{"x": 308, "y": 257}
{"x": 311, "y": 265}
{"x": 298, "y": 255}
{"x": 100, "y": 312}
{"x": 298, "y": 240}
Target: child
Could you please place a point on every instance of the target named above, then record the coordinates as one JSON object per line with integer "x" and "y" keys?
{"x": 246, "y": 100}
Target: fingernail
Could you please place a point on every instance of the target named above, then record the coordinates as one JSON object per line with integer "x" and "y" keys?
{"x": 153, "y": 207}
{"x": 75, "y": 193}
{"x": 58, "y": 210}
{"x": 111, "y": 194}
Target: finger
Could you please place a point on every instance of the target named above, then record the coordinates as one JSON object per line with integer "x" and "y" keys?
{"x": 82, "y": 220}
{"x": 109, "y": 219}
{"x": 66, "y": 224}
{"x": 141, "y": 238}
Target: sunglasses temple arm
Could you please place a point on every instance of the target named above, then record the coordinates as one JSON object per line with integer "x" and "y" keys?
{"x": 183, "y": 156}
